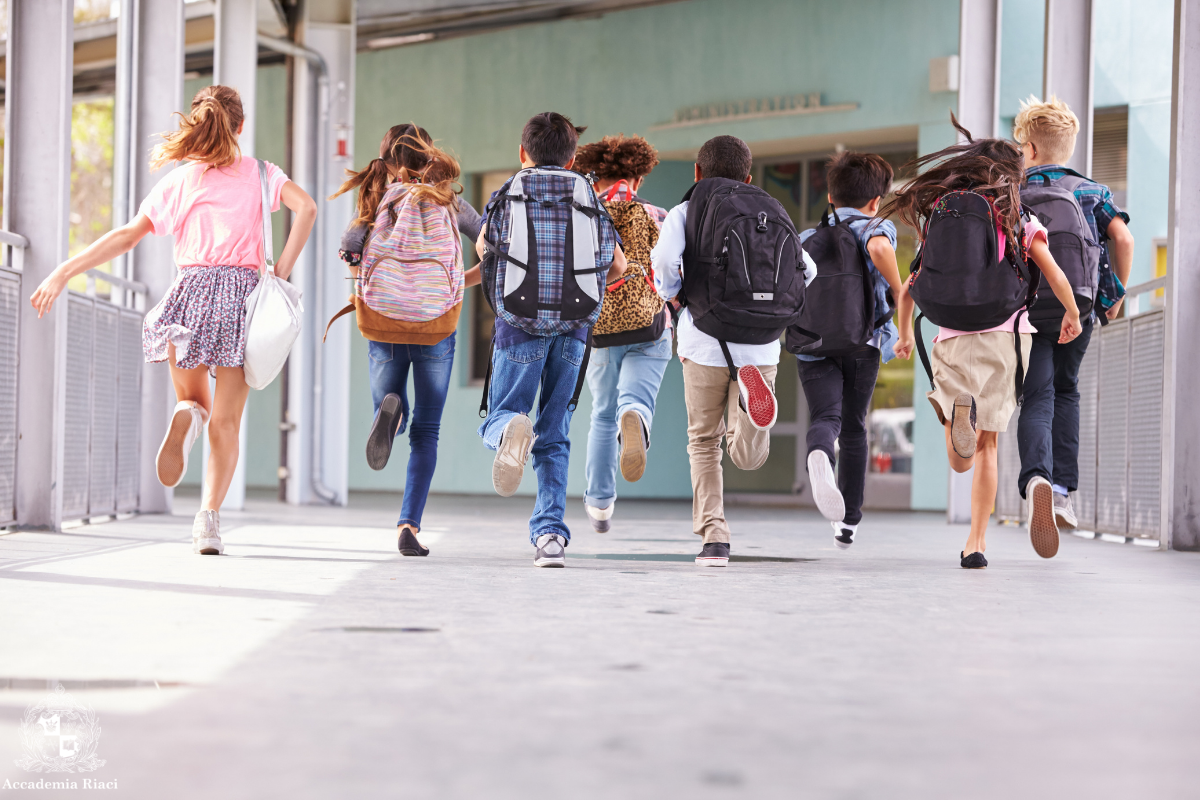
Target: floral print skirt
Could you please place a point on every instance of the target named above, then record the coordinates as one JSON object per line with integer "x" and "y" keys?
{"x": 204, "y": 316}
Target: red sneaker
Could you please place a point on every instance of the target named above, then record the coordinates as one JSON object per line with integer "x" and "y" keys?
{"x": 756, "y": 398}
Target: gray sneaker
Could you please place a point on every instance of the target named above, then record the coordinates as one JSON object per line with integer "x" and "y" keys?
{"x": 515, "y": 443}
{"x": 551, "y": 551}
{"x": 1064, "y": 512}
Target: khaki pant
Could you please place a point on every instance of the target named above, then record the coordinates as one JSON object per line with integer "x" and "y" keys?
{"x": 710, "y": 395}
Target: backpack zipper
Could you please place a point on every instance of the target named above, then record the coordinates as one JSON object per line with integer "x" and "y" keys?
{"x": 745, "y": 266}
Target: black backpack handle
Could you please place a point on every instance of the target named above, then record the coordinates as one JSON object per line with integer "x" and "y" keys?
{"x": 825, "y": 216}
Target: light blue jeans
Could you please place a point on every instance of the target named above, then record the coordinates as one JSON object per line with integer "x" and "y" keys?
{"x": 543, "y": 369}
{"x": 622, "y": 378}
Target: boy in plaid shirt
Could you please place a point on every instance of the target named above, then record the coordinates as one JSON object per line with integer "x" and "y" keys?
{"x": 526, "y": 366}
{"x": 1048, "y": 428}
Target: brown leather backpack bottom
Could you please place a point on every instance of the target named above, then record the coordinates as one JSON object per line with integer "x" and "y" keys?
{"x": 378, "y": 328}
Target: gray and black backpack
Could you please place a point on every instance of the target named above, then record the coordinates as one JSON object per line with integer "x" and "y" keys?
{"x": 1071, "y": 244}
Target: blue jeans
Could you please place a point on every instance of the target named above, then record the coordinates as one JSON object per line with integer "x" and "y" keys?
{"x": 550, "y": 363}
{"x": 1048, "y": 428}
{"x": 431, "y": 366}
{"x": 622, "y": 378}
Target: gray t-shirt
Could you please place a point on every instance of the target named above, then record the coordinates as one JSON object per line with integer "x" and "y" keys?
{"x": 469, "y": 224}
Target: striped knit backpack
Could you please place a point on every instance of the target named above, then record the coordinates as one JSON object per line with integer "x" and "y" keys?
{"x": 410, "y": 284}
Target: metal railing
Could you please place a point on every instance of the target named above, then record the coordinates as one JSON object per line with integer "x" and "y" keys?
{"x": 102, "y": 428}
{"x": 12, "y": 257}
{"x": 1121, "y": 382}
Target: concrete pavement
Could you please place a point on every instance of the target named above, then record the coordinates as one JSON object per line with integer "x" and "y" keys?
{"x": 312, "y": 661}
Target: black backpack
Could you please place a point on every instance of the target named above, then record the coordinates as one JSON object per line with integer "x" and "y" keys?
{"x": 743, "y": 266}
{"x": 840, "y": 302}
{"x": 959, "y": 279}
{"x": 1071, "y": 245}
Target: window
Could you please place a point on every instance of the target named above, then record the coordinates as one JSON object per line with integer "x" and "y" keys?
{"x": 1110, "y": 150}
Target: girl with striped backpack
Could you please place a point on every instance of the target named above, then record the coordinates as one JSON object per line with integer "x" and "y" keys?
{"x": 408, "y": 293}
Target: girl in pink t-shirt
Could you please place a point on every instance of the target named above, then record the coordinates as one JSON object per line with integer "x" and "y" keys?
{"x": 212, "y": 205}
{"x": 974, "y": 372}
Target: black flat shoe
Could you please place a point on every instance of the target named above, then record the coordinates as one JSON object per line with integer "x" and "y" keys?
{"x": 973, "y": 561}
{"x": 383, "y": 432}
{"x": 408, "y": 544}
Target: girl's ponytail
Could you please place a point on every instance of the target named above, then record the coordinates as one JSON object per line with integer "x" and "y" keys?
{"x": 209, "y": 133}
{"x": 371, "y": 183}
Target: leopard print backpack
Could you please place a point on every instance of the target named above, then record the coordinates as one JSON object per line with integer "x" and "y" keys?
{"x": 632, "y": 311}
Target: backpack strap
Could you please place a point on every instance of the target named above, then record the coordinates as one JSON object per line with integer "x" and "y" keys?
{"x": 1020, "y": 357}
{"x": 728, "y": 360}
{"x": 487, "y": 381}
{"x": 921, "y": 348}
{"x": 583, "y": 367}
{"x": 349, "y": 309}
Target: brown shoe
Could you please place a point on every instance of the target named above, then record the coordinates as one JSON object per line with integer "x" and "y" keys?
{"x": 1043, "y": 528}
{"x": 962, "y": 425}
{"x": 632, "y": 432}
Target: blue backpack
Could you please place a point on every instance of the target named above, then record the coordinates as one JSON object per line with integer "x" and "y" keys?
{"x": 549, "y": 243}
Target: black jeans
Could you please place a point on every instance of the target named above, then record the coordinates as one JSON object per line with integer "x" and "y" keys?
{"x": 1048, "y": 427}
{"x": 839, "y": 390}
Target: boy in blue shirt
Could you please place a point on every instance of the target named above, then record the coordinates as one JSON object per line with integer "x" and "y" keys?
{"x": 839, "y": 388}
{"x": 1048, "y": 428}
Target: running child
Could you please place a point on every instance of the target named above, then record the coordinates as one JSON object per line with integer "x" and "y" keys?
{"x": 401, "y": 248}
{"x": 632, "y": 338}
{"x": 212, "y": 205}
{"x": 977, "y": 269}
{"x": 850, "y": 304}
{"x": 547, "y": 246}
{"x": 730, "y": 255}
{"x": 1087, "y": 229}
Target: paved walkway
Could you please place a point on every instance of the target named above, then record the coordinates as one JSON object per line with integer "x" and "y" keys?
{"x": 313, "y": 662}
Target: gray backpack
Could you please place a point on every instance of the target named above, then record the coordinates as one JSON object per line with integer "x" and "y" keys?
{"x": 1071, "y": 245}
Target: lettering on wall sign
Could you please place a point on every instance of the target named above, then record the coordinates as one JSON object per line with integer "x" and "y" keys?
{"x": 752, "y": 108}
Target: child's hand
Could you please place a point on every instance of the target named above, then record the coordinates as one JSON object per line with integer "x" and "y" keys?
{"x": 904, "y": 346}
{"x": 1070, "y": 327}
{"x": 47, "y": 293}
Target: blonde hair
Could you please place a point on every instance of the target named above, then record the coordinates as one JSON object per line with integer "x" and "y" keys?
{"x": 208, "y": 133}
{"x": 1050, "y": 126}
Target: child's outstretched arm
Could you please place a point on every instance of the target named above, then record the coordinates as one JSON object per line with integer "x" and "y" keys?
{"x": 904, "y": 321}
{"x": 619, "y": 265}
{"x": 1039, "y": 252}
{"x": 112, "y": 244}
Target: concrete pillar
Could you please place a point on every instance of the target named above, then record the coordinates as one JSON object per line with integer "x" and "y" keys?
{"x": 979, "y": 66}
{"x": 235, "y": 63}
{"x": 37, "y": 198}
{"x": 1068, "y": 69}
{"x": 1181, "y": 431}
{"x": 319, "y": 374}
{"x": 157, "y": 92}
{"x": 235, "y": 57}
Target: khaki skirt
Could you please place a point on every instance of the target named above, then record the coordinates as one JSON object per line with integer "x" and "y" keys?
{"x": 983, "y": 365}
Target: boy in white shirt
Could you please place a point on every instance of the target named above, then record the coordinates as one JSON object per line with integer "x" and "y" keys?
{"x": 710, "y": 394}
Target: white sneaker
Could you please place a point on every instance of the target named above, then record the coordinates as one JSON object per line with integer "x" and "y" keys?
{"x": 599, "y": 517}
{"x": 824, "y": 487}
{"x": 551, "y": 551}
{"x": 515, "y": 443}
{"x": 187, "y": 422}
{"x": 843, "y": 534}
{"x": 206, "y": 534}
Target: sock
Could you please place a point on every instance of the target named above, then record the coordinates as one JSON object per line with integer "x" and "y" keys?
{"x": 1060, "y": 489}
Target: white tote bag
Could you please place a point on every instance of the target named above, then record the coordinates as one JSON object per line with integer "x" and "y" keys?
{"x": 272, "y": 310}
